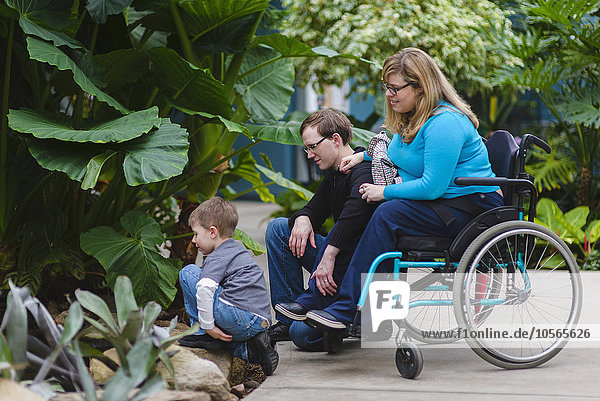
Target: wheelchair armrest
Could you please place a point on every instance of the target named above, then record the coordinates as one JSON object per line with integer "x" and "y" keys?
{"x": 499, "y": 181}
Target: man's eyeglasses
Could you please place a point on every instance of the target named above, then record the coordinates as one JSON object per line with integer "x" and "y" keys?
{"x": 314, "y": 145}
{"x": 394, "y": 89}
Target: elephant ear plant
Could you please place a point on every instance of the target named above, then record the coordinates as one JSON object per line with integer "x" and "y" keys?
{"x": 57, "y": 352}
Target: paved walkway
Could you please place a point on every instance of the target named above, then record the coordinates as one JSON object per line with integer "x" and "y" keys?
{"x": 448, "y": 374}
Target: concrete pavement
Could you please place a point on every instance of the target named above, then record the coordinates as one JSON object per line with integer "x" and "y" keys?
{"x": 448, "y": 373}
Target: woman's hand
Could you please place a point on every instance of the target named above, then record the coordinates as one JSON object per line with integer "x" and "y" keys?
{"x": 217, "y": 333}
{"x": 323, "y": 275}
{"x": 350, "y": 161}
{"x": 372, "y": 193}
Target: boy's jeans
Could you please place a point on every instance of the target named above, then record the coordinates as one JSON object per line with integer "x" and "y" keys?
{"x": 240, "y": 324}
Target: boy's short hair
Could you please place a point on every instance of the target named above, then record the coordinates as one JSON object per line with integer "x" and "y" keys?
{"x": 329, "y": 121}
{"x": 216, "y": 212}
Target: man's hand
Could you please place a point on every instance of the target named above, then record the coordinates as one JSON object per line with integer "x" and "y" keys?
{"x": 350, "y": 161}
{"x": 302, "y": 232}
{"x": 324, "y": 273}
{"x": 217, "y": 333}
{"x": 372, "y": 193}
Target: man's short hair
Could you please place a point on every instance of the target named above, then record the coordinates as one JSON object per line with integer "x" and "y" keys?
{"x": 328, "y": 122}
{"x": 216, "y": 212}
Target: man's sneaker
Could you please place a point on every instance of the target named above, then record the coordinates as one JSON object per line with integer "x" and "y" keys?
{"x": 261, "y": 352}
{"x": 324, "y": 320}
{"x": 293, "y": 310}
{"x": 279, "y": 332}
{"x": 202, "y": 341}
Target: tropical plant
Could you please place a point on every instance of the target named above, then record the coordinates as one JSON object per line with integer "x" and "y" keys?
{"x": 570, "y": 227}
{"x": 57, "y": 352}
{"x": 558, "y": 48}
{"x": 134, "y": 102}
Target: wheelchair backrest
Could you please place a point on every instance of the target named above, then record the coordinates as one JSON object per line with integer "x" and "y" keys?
{"x": 503, "y": 154}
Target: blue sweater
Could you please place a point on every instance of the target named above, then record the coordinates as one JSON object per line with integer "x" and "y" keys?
{"x": 446, "y": 147}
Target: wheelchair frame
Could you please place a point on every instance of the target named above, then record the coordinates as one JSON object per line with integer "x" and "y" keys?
{"x": 478, "y": 255}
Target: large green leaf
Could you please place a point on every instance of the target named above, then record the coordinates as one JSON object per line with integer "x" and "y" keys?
{"x": 249, "y": 242}
{"x": 47, "y": 53}
{"x": 156, "y": 156}
{"x": 201, "y": 17}
{"x": 99, "y": 10}
{"x": 58, "y": 38}
{"x": 231, "y": 126}
{"x": 55, "y": 13}
{"x": 267, "y": 90}
{"x": 280, "y": 180}
{"x": 286, "y": 132}
{"x": 118, "y": 130}
{"x": 153, "y": 277}
{"x": 186, "y": 85}
{"x": 362, "y": 137}
{"x": 123, "y": 66}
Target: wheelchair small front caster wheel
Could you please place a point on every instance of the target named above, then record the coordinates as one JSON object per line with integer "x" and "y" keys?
{"x": 332, "y": 341}
{"x": 409, "y": 360}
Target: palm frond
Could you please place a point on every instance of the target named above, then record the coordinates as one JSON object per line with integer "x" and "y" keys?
{"x": 581, "y": 104}
{"x": 552, "y": 171}
{"x": 560, "y": 11}
{"x": 541, "y": 76}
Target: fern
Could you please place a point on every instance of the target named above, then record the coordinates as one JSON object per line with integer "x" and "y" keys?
{"x": 551, "y": 171}
{"x": 560, "y": 11}
{"x": 581, "y": 105}
{"x": 541, "y": 76}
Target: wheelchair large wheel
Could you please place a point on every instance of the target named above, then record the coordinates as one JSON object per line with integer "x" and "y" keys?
{"x": 431, "y": 318}
{"x": 427, "y": 287}
{"x": 539, "y": 288}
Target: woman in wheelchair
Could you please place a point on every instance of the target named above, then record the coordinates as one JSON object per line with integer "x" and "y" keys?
{"x": 435, "y": 140}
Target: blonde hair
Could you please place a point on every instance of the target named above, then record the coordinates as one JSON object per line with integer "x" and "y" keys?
{"x": 418, "y": 69}
{"x": 216, "y": 212}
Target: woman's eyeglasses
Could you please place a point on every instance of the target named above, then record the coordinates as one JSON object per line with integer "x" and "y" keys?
{"x": 394, "y": 89}
{"x": 314, "y": 145}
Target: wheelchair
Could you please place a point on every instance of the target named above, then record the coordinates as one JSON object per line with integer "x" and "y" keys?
{"x": 500, "y": 271}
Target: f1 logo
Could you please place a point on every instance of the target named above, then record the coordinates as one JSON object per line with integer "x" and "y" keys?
{"x": 389, "y": 300}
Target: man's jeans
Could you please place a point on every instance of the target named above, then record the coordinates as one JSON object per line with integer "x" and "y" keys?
{"x": 240, "y": 324}
{"x": 285, "y": 269}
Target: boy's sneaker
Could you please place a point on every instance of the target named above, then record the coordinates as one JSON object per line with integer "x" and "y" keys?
{"x": 279, "y": 332}
{"x": 261, "y": 351}
{"x": 202, "y": 341}
{"x": 293, "y": 310}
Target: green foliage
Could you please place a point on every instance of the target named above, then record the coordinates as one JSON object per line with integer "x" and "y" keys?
{"x": 570, "y": 225}
{"x": 558, "y": 49}
{"x": 135, "y": 256}
{"x": 93, "y": 91}
{"x": 448, "y": 31}
{"x": 58, "y": 351}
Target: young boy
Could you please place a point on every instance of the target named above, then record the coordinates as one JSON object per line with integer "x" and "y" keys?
{"x": 228, "y": 295}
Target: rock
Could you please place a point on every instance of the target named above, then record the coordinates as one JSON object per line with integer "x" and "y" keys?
{"x": 233, "y": 397}
{"x": 251, "y": 385}
{"x": 221, "y": 358}
{"x": 99, "y": 371}
{"x": 11, "y": 391}
{"x": 238, "y": 390}
{"x": 192, "y": 372}
{"x": 164, "y": 395}
{"x": 196, "y": 374}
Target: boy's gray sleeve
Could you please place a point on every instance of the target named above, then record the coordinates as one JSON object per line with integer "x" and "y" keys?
{"x": 205, "y": 297}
